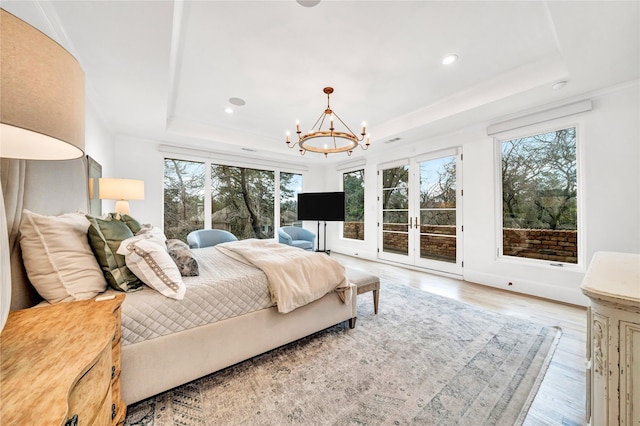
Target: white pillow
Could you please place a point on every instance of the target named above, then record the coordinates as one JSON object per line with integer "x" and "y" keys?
{"x": 153, "y": 233}
{"x": 57, "y": 257}
{"x": 151, "y": 263}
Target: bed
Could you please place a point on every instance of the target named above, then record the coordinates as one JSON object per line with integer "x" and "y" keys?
{"x": 168, "y": 342}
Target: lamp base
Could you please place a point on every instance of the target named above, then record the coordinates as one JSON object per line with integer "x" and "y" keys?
{"x": 122, "y": 207}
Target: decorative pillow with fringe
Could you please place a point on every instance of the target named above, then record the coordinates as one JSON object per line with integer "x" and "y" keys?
{"x": 151, "y": 263}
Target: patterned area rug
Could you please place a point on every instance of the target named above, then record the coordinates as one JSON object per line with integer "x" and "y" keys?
{"x": 424, "y": 360}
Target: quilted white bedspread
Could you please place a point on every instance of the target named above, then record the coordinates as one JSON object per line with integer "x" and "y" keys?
{"x": 224, "y": 289}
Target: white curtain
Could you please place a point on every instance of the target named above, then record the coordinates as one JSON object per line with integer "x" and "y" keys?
{"x": 5, "y": 264}
{"x": 11, "y": 198}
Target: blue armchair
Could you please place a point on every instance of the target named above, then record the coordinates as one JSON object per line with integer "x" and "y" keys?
{"x": 297, "y": 237}
{"x": 209, "y": 237}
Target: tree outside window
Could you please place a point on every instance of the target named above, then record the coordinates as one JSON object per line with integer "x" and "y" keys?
{"x": 290, "y": 187}
{"x": 183, "y": 197}
{"x": 242, "y": 201}
{"x": 353, "y": 185}
{"x": 539, "y": 196}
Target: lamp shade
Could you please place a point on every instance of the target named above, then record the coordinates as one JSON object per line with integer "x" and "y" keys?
{"x": 121, "y": 189}
{"x": 41, "y": 95}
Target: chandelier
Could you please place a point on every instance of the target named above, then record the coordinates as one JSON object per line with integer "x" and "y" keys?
{"x": 331, "y": 140}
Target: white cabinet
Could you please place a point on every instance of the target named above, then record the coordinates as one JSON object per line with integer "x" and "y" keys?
{"x": 612, "y": 282}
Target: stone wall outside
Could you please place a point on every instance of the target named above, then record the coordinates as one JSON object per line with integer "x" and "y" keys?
{"x": 353, "y": 230}
{"x": 543, "y": 244}
{"x": 431, "y": 246}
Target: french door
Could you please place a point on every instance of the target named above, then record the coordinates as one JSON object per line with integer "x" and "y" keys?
{"x": 420, "y": 214}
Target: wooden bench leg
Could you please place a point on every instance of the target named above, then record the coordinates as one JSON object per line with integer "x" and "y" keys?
{"x": 376, "y": 296}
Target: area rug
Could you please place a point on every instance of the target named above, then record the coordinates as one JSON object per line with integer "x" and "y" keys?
{"x": 423, "y": 360}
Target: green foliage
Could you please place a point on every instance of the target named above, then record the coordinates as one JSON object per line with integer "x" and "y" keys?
{"x": 353, "y": 184}
{"x": 246, "y": 196}
{"x": 242, "y": 199}
{"x": 290, "y": 186}
{"x": 183, "y": 197}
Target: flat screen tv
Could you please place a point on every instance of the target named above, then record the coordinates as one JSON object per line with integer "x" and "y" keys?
{"x": 328, "y": 206}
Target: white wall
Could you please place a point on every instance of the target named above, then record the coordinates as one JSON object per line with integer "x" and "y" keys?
{"x": 99, "y": 145}
{"x": 99, "y": 141}
{"x": 610, "y": 170}
{"x": 140, "y": 159}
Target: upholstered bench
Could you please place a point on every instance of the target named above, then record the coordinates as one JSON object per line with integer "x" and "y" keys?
{"x": 365, "y": 282}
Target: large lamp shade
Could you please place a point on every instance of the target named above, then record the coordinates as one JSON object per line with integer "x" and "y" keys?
{"x": 41, "y": 95}
{"x": 41, "y": 112}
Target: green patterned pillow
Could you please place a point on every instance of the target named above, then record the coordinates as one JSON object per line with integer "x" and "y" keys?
{"x": 133, "y": 224}
{"x": 105, "y": 237}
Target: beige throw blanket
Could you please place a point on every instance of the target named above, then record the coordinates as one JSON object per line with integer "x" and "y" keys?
{"x": 296, "y": 277}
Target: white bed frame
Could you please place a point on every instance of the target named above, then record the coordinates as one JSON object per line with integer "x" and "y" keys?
{"x": 156, "y": 365}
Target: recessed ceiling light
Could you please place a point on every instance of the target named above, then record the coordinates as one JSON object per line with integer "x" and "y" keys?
{"x": 237, "y": 101}
{"x": 308, "y": 3}
{"x": 558, "y": 85}
{"x": 228, "y": 110}
{"x": 449, "y": 59}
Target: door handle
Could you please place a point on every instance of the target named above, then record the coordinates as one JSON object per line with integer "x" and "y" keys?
{"x": 410, "y": 222}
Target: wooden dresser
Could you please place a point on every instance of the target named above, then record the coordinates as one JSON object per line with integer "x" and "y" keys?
{"x": 612, "y": 282}
{"x": 60, "y": 365}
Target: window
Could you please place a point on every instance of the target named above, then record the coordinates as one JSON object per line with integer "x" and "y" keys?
{"x": 539, "y": 197}
{"x": 353, "y": 186}
{"x": 395, "y": 210}
{"x": 199, "y": 195}
{"x": 438, "y": 209}
{"x": 242, "y": 201}
{"x": 290, "y": 187}
{"x": 183, "y": 197}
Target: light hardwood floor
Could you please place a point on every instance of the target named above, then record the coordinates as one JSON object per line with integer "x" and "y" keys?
{"x": 561, "y": 397}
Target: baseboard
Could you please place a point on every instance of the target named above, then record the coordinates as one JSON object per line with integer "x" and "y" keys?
{"x": 358, "y": 253}
{"x": 571, "y": 296}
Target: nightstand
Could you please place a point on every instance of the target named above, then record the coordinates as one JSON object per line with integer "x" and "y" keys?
{"x": 60, "y": 365}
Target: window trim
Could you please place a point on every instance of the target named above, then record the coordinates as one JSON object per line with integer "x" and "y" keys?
{"x": 532, "y": 130}
{"x": 231, "y": 159}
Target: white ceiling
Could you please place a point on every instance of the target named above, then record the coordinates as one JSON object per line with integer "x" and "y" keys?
{"x": 164, "y": 70}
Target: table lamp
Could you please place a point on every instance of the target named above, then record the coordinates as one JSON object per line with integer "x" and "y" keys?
{"x": 41, "y": 112}
{"x": 121, "y": 190}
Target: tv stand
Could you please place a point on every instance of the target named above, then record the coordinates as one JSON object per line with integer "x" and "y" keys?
{"x": 328, "y": 252}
